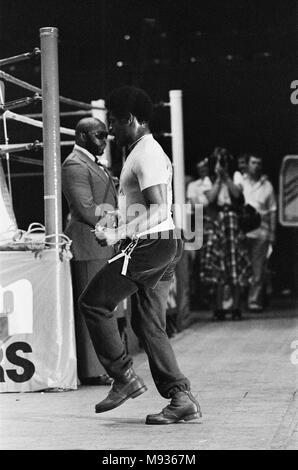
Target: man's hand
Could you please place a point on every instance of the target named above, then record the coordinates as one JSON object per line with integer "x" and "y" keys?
{"x": 220, "y": 171}
{"x": 106, "y": 236}
{"x": 108, "y": 219}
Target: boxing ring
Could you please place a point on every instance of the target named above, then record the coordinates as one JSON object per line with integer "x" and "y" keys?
{"x": 37, "y": 339}
{"x": 36, "y": 310}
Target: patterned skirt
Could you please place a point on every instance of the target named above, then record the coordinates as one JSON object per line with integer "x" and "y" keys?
{"x": 224, "y": 256}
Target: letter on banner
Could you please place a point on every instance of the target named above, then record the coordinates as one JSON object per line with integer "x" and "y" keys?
{"x": 16, "y": 304}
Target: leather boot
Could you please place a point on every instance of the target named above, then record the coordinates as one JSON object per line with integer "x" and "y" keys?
{"x": 183, "y": 407}
{"x": 129, "y": 385}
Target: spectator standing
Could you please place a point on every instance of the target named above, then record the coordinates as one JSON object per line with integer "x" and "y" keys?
{"x": 242, "y": 163}
{"x": 195, "y": 193}
{"x": 224, "y": 258}
{"x": 259, "y": 193}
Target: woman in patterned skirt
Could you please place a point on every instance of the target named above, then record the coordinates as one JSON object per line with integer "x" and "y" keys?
{"x": 225, "y": 263}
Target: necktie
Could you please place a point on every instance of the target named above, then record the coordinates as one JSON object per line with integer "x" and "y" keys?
{"x": 113, "y": 180}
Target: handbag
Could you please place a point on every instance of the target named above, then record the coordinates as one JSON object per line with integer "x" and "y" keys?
{"x": 249, "y": 218}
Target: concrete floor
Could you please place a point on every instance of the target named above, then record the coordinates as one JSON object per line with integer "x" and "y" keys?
{"x": 241, "y": 371}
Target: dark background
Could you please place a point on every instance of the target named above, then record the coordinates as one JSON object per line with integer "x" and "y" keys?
{"x": 233, "y": 59}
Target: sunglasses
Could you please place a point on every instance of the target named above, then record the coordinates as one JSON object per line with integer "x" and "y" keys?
{"x": 101, "y": 135}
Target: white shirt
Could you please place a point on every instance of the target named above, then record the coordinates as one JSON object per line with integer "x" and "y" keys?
{"x": 85, "y": 152}
{"x": 196, "y": 190}
{"x": 100, "y": 158}
{"x": 260, "y": 195}
{"x": 146, "y": 165}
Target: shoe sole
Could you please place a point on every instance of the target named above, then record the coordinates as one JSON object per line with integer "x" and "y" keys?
{"x": 185, "y": 418}
{"x": 134, "y": 394}
{"x": 193, "y": 416}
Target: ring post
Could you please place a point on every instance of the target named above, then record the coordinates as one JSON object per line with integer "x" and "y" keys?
{"x": 178, "y": 155}
{"x": 51, "y": 131}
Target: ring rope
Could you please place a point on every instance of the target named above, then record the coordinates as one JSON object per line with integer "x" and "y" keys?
{"x": 33, "y": 122}
{"x": 27, "y": 174}
{"x": 29, "y": 161}
{"x": 21, "y": 102}
{"x": 36, "y": 145}
{"x": 81, "y": 112}
{"x": 16, "y": 81}
{"x": 20, "y": 57}
{"x": 4, "y": 149}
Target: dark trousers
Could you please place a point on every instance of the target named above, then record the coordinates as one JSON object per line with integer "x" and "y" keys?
{"x": 98, "y": 302}
{"x": 258, "y": 249}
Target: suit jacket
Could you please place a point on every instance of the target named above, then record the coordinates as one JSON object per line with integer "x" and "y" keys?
{"x": 86, "y": 185}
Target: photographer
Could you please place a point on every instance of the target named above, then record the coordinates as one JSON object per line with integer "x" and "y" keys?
{"x": 225, "y": 263}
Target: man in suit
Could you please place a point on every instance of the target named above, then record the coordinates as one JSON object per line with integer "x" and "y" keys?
{"x": 87, "y": 184}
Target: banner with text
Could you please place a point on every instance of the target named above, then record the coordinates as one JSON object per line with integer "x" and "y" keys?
{"x": 37, "y": 339}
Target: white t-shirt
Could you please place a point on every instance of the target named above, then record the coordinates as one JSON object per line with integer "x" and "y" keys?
{"x": 260, "y": 195}
{"x": 146, "y": 165}
{"x": 196, "y": 190}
